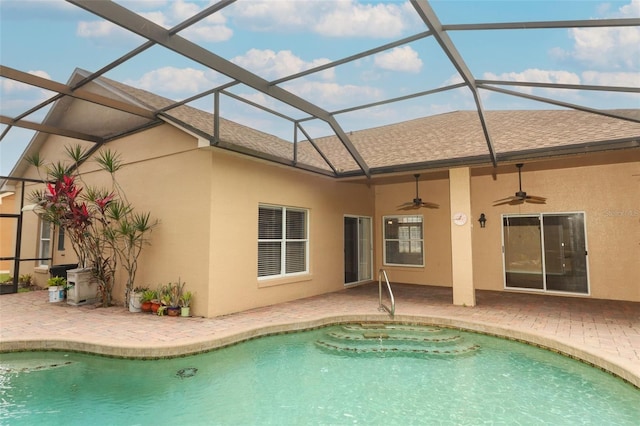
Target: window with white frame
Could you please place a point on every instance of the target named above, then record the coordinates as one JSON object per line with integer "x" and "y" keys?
{"x": 283, "y": 242}
{"x": 403, "y": 240}
{"x": 44, "y": 249}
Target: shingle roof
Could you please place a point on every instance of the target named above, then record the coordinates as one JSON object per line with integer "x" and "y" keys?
{"x": 439, "y": 139}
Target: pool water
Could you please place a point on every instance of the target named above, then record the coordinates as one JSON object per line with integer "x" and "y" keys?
{"x": 337, "y": 375}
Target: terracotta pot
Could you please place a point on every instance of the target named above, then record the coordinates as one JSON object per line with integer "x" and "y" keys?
{"x": 145, "y": 306}
{"x": 154, "y": 307}
{"x": 173, "y": 311}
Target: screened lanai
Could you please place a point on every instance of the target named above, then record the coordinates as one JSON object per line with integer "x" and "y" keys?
{"x": 310, "y": 79}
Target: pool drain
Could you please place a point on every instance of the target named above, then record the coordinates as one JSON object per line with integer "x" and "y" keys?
{"x": 184, "y": 373}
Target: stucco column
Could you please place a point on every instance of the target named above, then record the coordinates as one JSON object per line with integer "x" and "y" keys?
{"x": 461, "y": 249}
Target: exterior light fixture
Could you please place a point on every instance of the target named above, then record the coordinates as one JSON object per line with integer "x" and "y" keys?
{"x": 482, "y": 220}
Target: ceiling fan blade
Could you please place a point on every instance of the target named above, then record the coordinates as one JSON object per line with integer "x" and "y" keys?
{"x": 404, "y": 205}
{"x": 430, "y": 205}
{"x": 536, "y": 200}
{"x": 410, "y": 206}
{"x": 506, "y": 201}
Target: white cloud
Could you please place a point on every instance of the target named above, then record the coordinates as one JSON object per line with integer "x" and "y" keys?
{"x": 457, "y": 78}
{"x": 176, "y": 81}
{"x": 273, "y": 65}
{"x": 399, "y": 59}
{"x": 338, "y": 18}
{"x": 97, "y": 29}
{"x": 361, "y": 20}
{"x": 537, "y": 76}
{"x": 181, "y": 10}
{"x": 157, "y": 18}
{"x": 211, "y": 29}
{"x": 607, "y": 48}
{"x": 106, "y": 34}
{"x": 273, "y": 16}
{"x": 12, "y": 86}
{"x": 625, "y": 79}
{"x": 208, "y": 33}
{"x": 631, "y": 10}
{"x": 334, "y": 95}
{"x": 18, "y": 97}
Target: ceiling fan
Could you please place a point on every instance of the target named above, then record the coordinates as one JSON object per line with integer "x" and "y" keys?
{"x": 417, "y": 202}
{"x": 520, "y": 196}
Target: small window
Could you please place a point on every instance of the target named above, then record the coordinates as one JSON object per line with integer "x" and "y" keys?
{"x": 282, "y": 241}
{"x": 403, "y": 240}
{"x": 45, "y": 243}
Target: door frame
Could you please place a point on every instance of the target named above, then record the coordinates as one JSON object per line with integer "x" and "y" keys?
{"x": 358, "y": 250}
{"x": 540, "y": 216}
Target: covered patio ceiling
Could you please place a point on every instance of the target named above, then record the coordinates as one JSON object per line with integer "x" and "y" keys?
{"x": 304, "y": 116}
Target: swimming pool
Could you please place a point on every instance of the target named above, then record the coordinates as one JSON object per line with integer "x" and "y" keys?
{"x": 341, "y": 374}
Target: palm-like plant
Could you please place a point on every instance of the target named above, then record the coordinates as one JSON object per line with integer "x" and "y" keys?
{"x": 102, "y": 226}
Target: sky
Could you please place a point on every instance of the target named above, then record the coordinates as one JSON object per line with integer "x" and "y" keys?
{"x": 278, "y": 38}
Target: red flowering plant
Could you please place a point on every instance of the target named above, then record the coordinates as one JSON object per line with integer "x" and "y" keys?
{"x": 102, "y": 226}
{"x": 60, "y": 205}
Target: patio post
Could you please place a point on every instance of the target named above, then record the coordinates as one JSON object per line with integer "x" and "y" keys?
{"x": 461, "y": 249}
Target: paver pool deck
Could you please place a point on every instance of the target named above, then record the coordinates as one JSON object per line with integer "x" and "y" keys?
{"x": 604, "y": 333}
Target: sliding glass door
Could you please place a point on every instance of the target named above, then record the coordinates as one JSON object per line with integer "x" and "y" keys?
{"x": 546, "y": 252}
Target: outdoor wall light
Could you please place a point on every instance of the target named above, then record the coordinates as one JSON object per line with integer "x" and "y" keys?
{"x": 482, "y": 220}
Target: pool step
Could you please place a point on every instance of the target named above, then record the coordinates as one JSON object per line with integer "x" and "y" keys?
{"x": 395, "y": 339}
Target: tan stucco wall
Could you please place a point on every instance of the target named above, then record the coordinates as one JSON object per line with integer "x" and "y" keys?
{"x": 240, "y": 186}
{"x": 164, "y": 173}
{"x": 169, "y": 177}
{"x": 603, "y": 186}
{"x": 600, "y": 185}
{"x": 437, "y": 234}
{"x": 206, "y": 201}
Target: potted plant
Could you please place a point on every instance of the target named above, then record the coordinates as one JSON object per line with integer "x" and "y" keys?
{"x": 156, "y": 301}
{"x": 135, "y": 299}
{"x": 165, "y": 302}
{"x": 175, "y": 293}
{"x": 145, "y": 300}
{"x": 185, "y": 303}
{"x": 57, "y": 287}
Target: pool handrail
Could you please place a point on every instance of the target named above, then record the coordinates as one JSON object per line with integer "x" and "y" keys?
{"x": 382, "y": 273}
